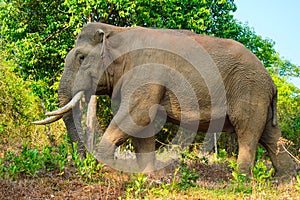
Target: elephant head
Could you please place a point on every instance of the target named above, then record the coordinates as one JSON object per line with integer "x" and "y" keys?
{"x": 90, "y": 39}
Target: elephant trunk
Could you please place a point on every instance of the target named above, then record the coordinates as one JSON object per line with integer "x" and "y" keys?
{"x": 69, "y": 107}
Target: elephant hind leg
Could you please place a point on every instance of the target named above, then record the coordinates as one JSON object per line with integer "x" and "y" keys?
{"x": 248, "y": 141}
{"x": 281, "y": 160}
{"x": 249, "y": 122}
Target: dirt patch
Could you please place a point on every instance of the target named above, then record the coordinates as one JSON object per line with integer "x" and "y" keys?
{"x": 112, "y": 185}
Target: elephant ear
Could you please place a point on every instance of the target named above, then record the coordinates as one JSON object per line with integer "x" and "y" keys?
{"x": 99, "y": 36}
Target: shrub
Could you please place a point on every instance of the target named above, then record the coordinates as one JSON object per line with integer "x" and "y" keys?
{"x": 18, "y": 108}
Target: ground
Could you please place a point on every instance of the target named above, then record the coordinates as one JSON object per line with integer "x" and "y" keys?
{"x": 215, "y": 182}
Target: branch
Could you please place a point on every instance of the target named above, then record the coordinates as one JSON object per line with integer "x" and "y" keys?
{"x": 281, "y": 142}
{"x": 57, "y": 32}
{"x": 112, "y": 6}
{"x": 290, "y": 153}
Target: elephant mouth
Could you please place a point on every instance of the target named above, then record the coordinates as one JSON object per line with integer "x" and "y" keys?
{"x": 57, "y": 114}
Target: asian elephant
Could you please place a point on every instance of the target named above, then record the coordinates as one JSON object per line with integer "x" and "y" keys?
{"x": 209, "y": 83}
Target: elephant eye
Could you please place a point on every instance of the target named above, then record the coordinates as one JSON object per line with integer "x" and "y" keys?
{"x": 81, "y": 58}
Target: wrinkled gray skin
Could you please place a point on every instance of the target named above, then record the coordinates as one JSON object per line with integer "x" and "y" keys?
{"x": 250, "y": 93}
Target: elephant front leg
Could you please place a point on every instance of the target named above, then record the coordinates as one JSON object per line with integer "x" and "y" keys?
{"x": 145, "y": 153}
{"x": 111, "y": 139}
{"x": 134, "y": 119}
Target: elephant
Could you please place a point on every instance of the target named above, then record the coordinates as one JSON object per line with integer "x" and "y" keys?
{"x": 207, "y": 83}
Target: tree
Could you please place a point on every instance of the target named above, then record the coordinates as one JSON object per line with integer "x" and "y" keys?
{"x": 38, "y": 34}
{"x": 35, "y": 36}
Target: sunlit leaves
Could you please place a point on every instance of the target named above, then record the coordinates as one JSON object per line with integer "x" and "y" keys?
{"x": 18, "y": 105}
{"x": 288, "y": 109}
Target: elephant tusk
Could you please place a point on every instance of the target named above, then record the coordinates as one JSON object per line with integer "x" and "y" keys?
{"x": 68, "y": 106}
{"x": 48, "y": 120}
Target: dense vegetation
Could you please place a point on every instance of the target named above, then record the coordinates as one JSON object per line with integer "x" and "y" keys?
{"x": 35, "y": 37}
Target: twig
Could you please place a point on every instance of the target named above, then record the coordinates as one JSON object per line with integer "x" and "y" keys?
{"x": 112, "y": 6}
{"x": 107, "y": 191}
{"x": 290, "y": 153}
{"x": 57, "y": 32}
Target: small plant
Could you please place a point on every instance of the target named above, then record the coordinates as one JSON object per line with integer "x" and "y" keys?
{"x": 188, "y": 178}
{"x": 259, "y": 153}
{"x": 85, "y": 167}
{"x": 28, "y": 162}
{"x": 75, "y": 155}
{"x": 222, "y": 154}
{"x": 34, "y": 162}
{"x": 162, "y": 191}
{"x": 298, "y": 181}
{"x": 238, "y": 177}
{"x": 261, "y": 173}
{"x": 137, "y": 187}
{"x": 89, "y": 167}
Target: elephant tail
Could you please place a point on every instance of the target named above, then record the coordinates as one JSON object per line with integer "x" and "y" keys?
{"x": 274, "y": 109}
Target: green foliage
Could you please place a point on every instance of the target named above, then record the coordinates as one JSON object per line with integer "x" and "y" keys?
{"x": 238, "y": 177}
{"x": 18, "y": 107}
{"x": 35, "y": 37}
{"x": 222, "y": 154}
{"x": 28, "y": 162}
{"x": 104, "y": 113}
{"x": 288, "y": 110}
{"x": 200, "y": 16}
{"x": 137, "y": 186}
{"x": 162, "y": 191}
{"x": 88, "y": 167}
{"x": 261, "y": 173}
{"x": 298, "y": 181}
{"x": 33, "y": 162}
{"x": 188, "y": 178}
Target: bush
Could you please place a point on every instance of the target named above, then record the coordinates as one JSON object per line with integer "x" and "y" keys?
{"x": 18, "y": 108}
{"x": 289, "y": 112}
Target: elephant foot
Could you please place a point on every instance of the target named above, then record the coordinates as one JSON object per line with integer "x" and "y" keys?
{"x": 146, "y": 162}
{"x": 104, "y": 152}
{"x": 150, "y": 168}
{"x": 285, "y": 167}
{"x": 286, "y": 174}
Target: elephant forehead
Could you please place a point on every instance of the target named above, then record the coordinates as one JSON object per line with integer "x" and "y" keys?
{"x": 84, "y": 39}
{"x": 86, "y": 36}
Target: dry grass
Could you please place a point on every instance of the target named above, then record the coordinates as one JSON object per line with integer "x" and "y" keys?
{"x": 214, "y": 183}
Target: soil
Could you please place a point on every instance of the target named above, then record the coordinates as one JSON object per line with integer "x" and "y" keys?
{"x": 113, "y": 184}
{"x": 110, "y": 185}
